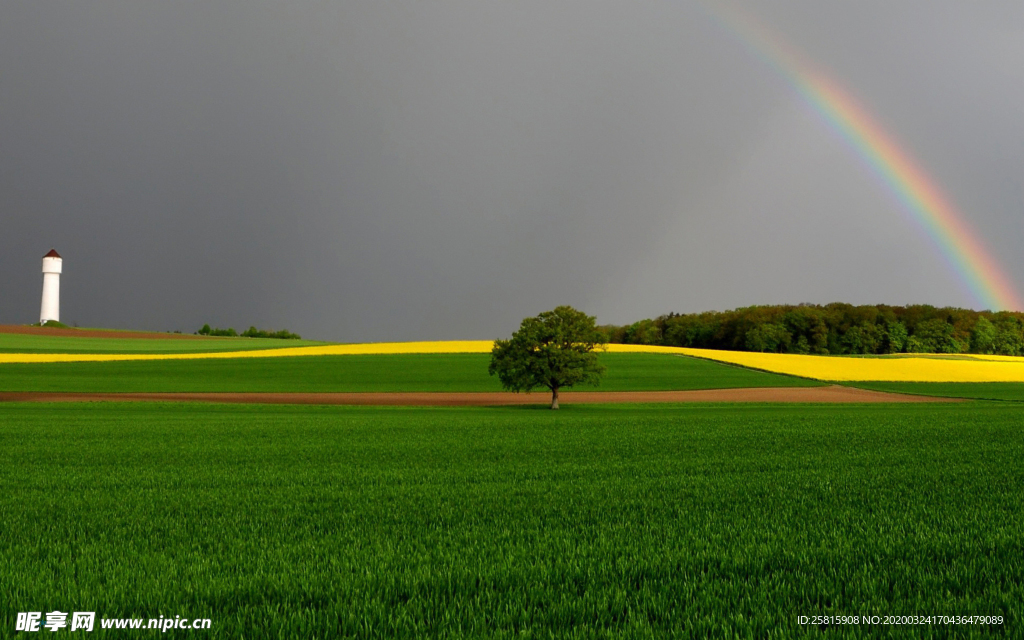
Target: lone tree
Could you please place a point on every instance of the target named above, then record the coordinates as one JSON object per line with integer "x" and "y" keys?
{"x": 554, "y": 350}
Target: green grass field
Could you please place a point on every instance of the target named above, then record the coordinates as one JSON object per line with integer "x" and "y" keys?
{"x": 628, "y": 521}
{"x": 31, "y": 343}
{"x": 1012, "y": 391}
{"x": 420, "y": 372}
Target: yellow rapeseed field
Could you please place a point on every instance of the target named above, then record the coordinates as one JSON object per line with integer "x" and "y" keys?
{"x": 906, "y": 368}
{"x": 454, "y": 346}
{"x": 901, "y": 369}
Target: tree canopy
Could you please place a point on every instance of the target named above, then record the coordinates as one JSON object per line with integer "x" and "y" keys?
{"x": 834, "y": 329}
{"x": 556, "y": 349}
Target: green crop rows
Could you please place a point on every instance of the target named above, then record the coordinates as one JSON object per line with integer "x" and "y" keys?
{"x": 34, "y": 343}
{"x": 629, "y": 521}
{"x": 424, "y": 372}
{"x": 1013, "y": 391}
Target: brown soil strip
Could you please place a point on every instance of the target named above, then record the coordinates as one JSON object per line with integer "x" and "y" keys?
{"x": 94, "y": 333}
{"x": 831, "y": 394}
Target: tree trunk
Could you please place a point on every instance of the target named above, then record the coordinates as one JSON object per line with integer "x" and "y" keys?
{"x": 554, "y": 397}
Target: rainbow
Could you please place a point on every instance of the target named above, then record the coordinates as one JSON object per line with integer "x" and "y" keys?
{"x": 920, "y": 196}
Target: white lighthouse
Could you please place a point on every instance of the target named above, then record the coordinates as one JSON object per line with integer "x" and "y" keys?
{"x": 50, "y": 309}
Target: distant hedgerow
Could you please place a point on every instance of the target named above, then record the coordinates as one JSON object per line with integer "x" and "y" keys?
{"x": 251, "y": 332}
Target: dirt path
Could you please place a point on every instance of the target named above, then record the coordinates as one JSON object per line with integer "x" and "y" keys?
{"x": 94, "y": 333}
{"x": 832, "y": 394}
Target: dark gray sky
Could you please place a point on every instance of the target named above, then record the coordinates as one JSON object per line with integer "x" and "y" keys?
{"x": 383, "y": 170}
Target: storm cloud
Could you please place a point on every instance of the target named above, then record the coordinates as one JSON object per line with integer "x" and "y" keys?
{"x": 360, "y": 171}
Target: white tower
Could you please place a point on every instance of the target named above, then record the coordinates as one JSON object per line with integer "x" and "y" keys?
{"x": 50, "y": 309}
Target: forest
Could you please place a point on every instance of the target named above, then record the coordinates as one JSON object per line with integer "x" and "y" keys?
{"x": 834, "y": 329}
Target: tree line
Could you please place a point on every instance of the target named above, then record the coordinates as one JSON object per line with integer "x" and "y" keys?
{"x": 833, "y": 329}
{"x": 251, "y": 332}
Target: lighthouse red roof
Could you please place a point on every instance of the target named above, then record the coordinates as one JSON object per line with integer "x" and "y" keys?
{"x": 53, "y": 254}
